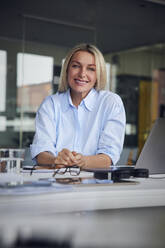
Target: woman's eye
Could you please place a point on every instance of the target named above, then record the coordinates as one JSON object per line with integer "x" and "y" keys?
{"x": 91, "y": 69}
{"x": 75, "y": 66}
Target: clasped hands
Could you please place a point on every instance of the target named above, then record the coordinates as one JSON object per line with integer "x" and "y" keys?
{"x": 68, "y": 158}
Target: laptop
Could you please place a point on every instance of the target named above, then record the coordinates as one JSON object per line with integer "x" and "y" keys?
{"x": 152, "y": 156}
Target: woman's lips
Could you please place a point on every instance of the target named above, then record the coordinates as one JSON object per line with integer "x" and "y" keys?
{"x": 80, "y": 82}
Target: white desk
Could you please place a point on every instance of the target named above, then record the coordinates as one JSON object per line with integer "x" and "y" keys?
{"x": 121, "y": 215}
{"x": 146, "y": 193}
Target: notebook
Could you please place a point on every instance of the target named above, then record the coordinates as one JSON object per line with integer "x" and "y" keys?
{"x": 152, "y": 156}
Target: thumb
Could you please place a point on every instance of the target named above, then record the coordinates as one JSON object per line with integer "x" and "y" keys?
{"x": 78, "y": 156}
{"x": 74, "y": 153}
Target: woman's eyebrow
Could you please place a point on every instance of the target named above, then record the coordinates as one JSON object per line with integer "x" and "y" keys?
{"x": 75, "y": 61}
{"x": 92, "y": 65}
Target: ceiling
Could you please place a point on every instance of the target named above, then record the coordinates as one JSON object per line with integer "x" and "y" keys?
{"x": 113, "y": 25}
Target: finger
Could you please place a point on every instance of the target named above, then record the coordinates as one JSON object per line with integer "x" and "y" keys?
{"x": 80, "y": 164}
{"x": 80, "y": 161}
{"x": 70, "y": 156}
{"x": 78, "y": 156}
{"x": 60, "y": 160}
{"x": 64, "y": 155}
{"x": 67, "y": 155}
{"x": 74, "y": 153}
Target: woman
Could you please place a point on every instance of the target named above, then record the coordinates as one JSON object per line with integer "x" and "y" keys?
{"x": 81, "y": 124}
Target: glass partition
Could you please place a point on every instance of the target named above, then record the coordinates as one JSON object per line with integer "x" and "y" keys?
{"x": 34, "y": 83}
{"x": 3, "y": 71}
{"x": 30, "y": 69}
{"x": 140, "y": 80}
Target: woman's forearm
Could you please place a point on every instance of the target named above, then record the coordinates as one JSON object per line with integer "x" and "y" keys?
{"x": 97, "y": 161}
{"x": 45, "y": 158}
{"x": 92, "y": 161}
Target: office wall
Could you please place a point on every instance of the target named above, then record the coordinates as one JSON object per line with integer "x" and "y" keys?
{"x": 140, "y": 62}
{"x": 15, "y": 46}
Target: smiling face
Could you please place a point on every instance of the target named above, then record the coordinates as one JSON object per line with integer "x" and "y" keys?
{"x": 82, "y": 73}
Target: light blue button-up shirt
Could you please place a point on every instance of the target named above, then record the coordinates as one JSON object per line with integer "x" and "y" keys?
{"x": 96, "y": 126}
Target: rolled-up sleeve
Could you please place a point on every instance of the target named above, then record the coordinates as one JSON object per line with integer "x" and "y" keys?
{"x": 45, "y": 135}
{"x": 112, "y": 135}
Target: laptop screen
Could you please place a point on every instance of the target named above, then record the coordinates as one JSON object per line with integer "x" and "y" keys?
{"x": 152, "y": 156}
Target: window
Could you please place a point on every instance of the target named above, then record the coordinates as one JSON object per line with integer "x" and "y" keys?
{"x": 3, "y": 71}
{"x": 34, "y": 80}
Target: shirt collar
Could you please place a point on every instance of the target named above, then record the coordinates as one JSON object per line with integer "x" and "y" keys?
{"x": 89, "y": 101}
{"x": 66, "y": 100}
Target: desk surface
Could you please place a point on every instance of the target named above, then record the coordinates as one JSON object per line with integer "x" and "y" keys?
{"x": 114, "y": 215}
{"x": 143, "y": 193}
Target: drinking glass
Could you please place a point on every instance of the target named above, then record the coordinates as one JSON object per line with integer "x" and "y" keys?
{"x": 11, "y": 159}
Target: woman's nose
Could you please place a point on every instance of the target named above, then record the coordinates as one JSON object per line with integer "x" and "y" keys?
{"x": 82, "y": 72}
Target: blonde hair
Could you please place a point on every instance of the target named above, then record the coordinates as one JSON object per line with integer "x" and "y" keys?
{"x": 100, "y": 67}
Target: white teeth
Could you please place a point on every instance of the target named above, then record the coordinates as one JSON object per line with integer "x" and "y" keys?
{"x": 80, "y": 82}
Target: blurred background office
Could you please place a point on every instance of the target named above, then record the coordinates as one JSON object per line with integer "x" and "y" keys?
{"x": 35, "y": 37}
